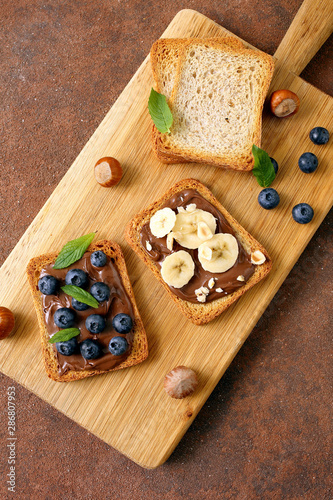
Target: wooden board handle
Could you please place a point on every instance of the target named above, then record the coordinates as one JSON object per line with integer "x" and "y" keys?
{"x": 310, "y": 28}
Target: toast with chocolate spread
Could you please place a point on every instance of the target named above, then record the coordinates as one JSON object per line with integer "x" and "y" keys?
{"x": 119, "y": 301}
{"x": 201, "y": 255}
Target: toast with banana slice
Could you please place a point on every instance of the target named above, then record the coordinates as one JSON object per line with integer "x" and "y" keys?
{"x": 201, "y": 255}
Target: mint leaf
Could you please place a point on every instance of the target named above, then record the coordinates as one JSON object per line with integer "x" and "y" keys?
{"x": 73, "y": 251}
{"x": 64, "y": 335}
{"x": 80, "y": 295}
{"x": 160, "y": 112}
{"x": 263, "y": 168}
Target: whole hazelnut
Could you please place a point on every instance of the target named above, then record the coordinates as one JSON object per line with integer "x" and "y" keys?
{"x": 108, "y": 171}
{"x": 180, "y": 382}
{"x": 7, "y": 322}
{"x": 284, "y": 103}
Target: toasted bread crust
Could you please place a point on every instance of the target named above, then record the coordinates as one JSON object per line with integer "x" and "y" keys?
{"x": 197, "y": 313}
{"x": 167, "y": 151}
{"x": 139, "y": 350}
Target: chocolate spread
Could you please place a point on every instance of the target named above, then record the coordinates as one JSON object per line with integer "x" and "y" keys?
{"x": 117, "y": 303}
{"x": 227, "y": 281}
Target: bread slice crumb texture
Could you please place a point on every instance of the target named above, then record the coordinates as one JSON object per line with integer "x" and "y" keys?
{"x": 216, "y": 103}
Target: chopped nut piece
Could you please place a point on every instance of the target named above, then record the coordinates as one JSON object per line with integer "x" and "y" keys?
{"x": 204, "y": 232}
{"x": 169, "y": 241}
{"x": 219, "y": 290}
{"x": 148, "y": 246}
{"x": 191, "y": 207}
{"x": 206, "y": 253}
{"x": 201, "y": 298}
{"x": 240, "y": 278}
{"x": 211, "y": 283}
{"x": 202, "y": 290}
{"x": 257, "y": 258}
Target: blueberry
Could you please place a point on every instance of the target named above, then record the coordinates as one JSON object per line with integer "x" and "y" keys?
{"x": 302, "y": 213}
{"x": 98, "y": 259}
{"x": 79, "y": 306}
{"x": 268, "y": 198}
{"x": 122, "y": 323}
{"x": 48, "y": 285}
{"x": 319, "y": 135}
{"x": 308, "y": 163}
{"x": 275, "y": 165}
{"x": 90, "y": 349}
{"x": 100, "y": 291}
{"x": 76, "y": 277}
{"x": 64, "y": 317}
{"x": 118, "y": 345}
{"x": 68, "y": 347}
{"x": 95, "y": 323}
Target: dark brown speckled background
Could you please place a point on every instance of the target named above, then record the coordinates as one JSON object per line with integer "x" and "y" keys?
{"x": 266, "y": 431}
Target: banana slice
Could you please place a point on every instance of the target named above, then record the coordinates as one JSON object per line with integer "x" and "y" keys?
{"x": 222, "y": 249}
{"x": 177, "y": 269}
{"x": 162, "y": 222}
{"x": 193, "y": 227}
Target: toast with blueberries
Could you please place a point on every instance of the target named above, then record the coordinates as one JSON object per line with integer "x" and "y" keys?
{"x": 88, "y": 318}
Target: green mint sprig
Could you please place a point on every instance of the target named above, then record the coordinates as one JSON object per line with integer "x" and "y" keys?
{"x": 73, "y": 251}
{"x": 64, "y": 335}
{"x": 160, "y": 112}
{"x": 81, "y": 295}
{"x": 263, "y": 168}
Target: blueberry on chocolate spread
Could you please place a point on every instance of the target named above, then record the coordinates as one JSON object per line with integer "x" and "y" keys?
{"x": 48, "y": 285}
{"x": 68, "y": 347}
{"x": 79, "y": 306}
{"x": 122, "y": 323}
{"x": 90, "y": 349}
{"x": 64, "y": 317}
{"x": 118, "y": 346}
{"x": 95, "y": 323}
{"x": 98, "y": 258}
{"x": 100, "y": 291}
{"x": 76, "y": 277}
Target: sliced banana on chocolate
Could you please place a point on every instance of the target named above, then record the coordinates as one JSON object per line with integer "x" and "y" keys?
{"x": 162, "y": 222}
{"x": 193, "y": 227}
{"x": 177, "y": 269}
{"x": 219, "y": 253}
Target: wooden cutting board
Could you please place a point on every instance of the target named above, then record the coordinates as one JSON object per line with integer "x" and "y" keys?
{"x": 129, "y": 409}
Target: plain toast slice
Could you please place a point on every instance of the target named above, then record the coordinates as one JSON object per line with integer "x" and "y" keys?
{"x": 217, "y": 103}
{"x": 164, "y": 58}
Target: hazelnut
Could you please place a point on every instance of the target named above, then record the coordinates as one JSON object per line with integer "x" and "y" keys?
{"x": 7, "y": 322}
{"x": 284, "y": 103}
{"x": 180, "y": 382}
{"x": 257, "y": 258}
{"x": 108, "y": 171}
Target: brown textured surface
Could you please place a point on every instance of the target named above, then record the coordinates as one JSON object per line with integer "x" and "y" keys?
{"x": 265, "y": 431}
